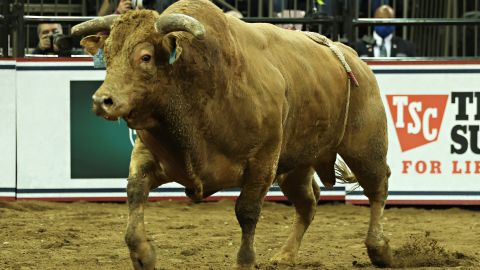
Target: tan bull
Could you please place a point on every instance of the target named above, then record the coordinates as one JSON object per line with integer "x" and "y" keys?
{"x": 218, "y": 103}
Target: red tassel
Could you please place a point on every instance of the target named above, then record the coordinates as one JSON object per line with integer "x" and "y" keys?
{"x": 352, "y": 77}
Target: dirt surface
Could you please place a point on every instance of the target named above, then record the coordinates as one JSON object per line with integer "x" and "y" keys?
{"x": 46, "y": 235}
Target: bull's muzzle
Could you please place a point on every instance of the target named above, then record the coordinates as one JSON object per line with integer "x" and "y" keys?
{"x": 102, "y": 105}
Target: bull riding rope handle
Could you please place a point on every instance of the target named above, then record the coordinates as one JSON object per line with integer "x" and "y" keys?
{"x": 323, "y": 40}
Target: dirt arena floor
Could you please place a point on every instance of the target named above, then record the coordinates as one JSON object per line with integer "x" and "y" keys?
{"x": 46, "y": 235}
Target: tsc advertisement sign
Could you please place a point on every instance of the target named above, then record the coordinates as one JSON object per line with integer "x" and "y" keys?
{"x": 432, "y": 114}
{"x": 421, "y": 124}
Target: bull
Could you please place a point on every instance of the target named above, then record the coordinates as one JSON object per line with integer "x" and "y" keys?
{"x": 219, "y": 103}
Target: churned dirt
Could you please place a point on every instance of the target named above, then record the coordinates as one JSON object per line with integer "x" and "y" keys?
{"x": 47, "y": 235}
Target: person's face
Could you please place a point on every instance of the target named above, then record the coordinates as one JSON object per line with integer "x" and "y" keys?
{"x": 48, "y": 29}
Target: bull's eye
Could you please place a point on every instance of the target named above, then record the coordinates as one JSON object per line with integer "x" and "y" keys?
{"x": 146, "y": 58}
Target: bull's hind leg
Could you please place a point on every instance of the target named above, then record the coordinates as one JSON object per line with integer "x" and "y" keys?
{"x": 364, "y": 149}
{"x": 304, "y": 193}
{"x": 144, "y": 175}
{"x": 372, "y": 174}
{"x": 377, "y": 244}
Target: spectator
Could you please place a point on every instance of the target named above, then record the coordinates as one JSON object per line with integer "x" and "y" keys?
{"x": 384, "y": 43}
{"x": 46, "y": 32}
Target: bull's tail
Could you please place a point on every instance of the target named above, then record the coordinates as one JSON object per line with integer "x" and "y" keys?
{"x": 343, "y": 174}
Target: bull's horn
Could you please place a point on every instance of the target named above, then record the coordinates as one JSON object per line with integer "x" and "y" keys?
{"x": 94, "y": 26}
{"x": 180, "y": 22}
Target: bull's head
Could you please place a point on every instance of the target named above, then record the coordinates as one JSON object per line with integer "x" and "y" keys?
{"x": 138, "y": 55}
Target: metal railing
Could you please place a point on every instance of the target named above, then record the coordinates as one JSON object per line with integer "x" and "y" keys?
{"x": 17, "y": 22}
{"x": 417, "y": 21}
{"x": 439, "y": 39}
{"x": 342, "y": 21}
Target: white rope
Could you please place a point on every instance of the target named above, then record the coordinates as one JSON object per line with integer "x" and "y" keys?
{"x": 323, "y": 40}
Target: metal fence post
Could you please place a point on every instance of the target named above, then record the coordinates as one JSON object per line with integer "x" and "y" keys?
{"x": 337, "y": 19}
{"x": 18, "y": 35}
{"x": 350, "y": 14}
{"x": 5, "y": 27}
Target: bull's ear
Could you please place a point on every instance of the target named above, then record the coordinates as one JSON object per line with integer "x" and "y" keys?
{"x": 93, "y": 42}
{"x": 172, "y": 46}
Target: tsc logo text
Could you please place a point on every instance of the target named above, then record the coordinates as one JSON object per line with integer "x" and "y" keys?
{"x": 417, "y": 118}
{"x": 465, "y": 133}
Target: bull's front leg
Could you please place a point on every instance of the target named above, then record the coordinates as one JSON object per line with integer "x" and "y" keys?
{"x": 142, "y": 252}
{"x": 258, "y": 179}
{"x": 144, "y": 175}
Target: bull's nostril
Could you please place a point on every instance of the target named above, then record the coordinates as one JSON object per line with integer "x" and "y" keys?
{"x": 108, "y": 101}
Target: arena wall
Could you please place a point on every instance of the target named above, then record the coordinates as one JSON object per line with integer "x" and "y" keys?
{"x": 7, "y": 130}
{"x": 64, "y": 152}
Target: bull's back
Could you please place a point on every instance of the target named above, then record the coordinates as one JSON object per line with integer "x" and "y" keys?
{"x": 314, "y": 88}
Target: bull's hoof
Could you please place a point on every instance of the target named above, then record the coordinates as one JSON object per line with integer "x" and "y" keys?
{"x": 283, "y": 258}
{"x": 245, "y": 267}
{"x": 381, "y": 255}
{"x": 144, "y": 257}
